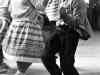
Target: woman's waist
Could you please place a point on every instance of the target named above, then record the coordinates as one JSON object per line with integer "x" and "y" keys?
{"x": 25, "y": 17}
{"x": 26, "y": 20}
{"x": 21, "y": 19}
{"x": 14, "y": 20}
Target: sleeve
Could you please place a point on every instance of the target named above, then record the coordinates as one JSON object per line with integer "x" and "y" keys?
{"x": 80, "y": 12}
{"x": 4, "y": 12}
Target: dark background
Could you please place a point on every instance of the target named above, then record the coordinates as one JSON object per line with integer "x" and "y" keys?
{"x": 93, "y": 13}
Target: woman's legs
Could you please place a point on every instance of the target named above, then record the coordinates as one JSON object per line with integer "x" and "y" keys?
{"x": 22, "y": 67}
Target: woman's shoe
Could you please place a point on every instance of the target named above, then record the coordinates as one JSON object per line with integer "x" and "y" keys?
{"x": 19, "y": 73}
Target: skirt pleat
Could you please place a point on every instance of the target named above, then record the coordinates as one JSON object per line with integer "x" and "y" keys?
{"x": 24, "y": 39}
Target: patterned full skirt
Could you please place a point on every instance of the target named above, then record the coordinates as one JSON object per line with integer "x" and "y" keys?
{"x": 23, "y": 41}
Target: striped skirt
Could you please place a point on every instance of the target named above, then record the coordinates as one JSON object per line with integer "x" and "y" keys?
{"x": 23, "y": 41}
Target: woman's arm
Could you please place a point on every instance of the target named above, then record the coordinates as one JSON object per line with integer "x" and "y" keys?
{"x": 4, "y": 17}
{"x": 4, "y": 12}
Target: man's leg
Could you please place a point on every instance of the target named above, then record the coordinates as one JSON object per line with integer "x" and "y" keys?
{"x": 69, "y": 44}
{"x": 49, "y": 60}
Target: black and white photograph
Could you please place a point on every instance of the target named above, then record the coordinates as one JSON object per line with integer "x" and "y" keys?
{"x": 49, "y": 37}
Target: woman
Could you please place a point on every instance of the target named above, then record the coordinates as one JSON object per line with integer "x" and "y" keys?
{"x": 23, "y": 39}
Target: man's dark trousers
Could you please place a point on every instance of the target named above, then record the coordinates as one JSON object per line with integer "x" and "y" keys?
{"x": 65, "y": 43}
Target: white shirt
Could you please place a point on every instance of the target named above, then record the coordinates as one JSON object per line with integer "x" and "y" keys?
{"x": 52, "y": 10}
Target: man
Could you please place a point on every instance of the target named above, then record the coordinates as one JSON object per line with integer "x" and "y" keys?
{"x": 65, "y": 41}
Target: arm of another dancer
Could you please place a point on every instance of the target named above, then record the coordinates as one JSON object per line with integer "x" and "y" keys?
{"x": 4, "y": 17}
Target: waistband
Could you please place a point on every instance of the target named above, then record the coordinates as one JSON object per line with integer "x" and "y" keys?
{"x": 21, "y": 19}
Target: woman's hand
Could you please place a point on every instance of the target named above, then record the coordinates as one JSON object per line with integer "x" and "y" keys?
{"x": 3, "y": 25}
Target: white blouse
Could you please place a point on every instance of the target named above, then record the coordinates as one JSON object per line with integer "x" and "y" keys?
{"x": 19, "y": 8}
